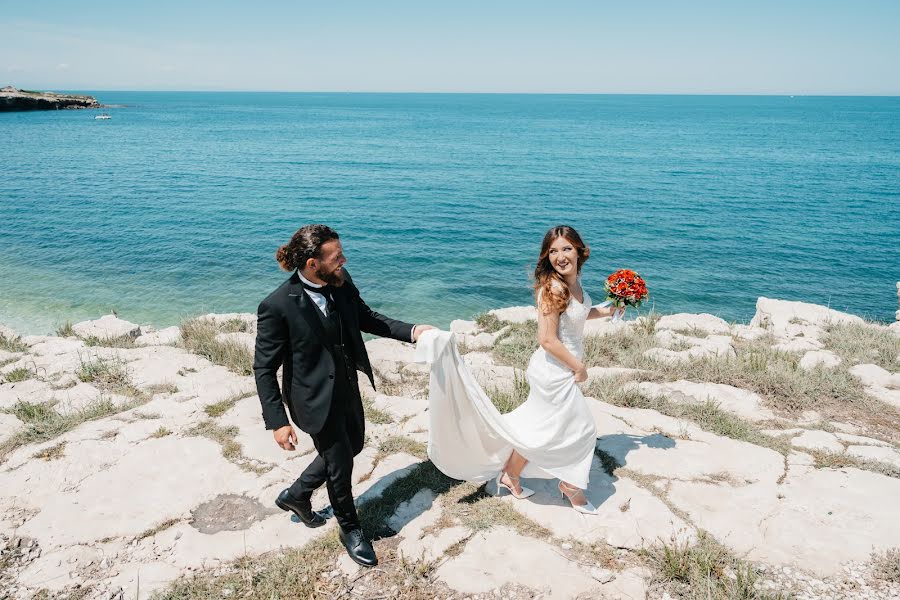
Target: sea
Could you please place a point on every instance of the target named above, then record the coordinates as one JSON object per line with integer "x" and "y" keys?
{"x": 174, "y": 207}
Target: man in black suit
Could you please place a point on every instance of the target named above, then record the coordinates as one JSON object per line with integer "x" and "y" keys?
{"x": 311, "y": 326}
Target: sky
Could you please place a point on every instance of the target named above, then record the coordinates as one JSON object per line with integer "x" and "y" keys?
{"x": 828, "y": 47}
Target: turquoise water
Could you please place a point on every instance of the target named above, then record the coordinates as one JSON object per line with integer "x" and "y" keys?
{"x": 175, "y": 206}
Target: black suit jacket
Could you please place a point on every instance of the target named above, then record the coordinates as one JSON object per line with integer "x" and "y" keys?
{"x": 290, "y": 334}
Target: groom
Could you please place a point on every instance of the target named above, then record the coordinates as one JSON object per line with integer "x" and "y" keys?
{"x": 311, "y": 326}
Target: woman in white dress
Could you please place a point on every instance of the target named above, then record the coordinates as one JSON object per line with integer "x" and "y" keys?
{"x": 554, "y": 427}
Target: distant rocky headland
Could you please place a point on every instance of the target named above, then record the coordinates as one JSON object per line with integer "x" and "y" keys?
{"x": 12, "y": 99}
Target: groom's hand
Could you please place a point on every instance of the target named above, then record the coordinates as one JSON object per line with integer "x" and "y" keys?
{"x": 285, "y": 437}
{"x": 419, "y": 329}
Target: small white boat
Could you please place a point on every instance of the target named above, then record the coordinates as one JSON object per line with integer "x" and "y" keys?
{"x": 104, "y": 116}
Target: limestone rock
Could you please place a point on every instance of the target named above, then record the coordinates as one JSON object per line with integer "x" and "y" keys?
{"x": 107, "y": 326}
{"x": 239, "y": 338}
{"x": 874, "y": 375}
{"x": 748, "y": 332}
{"x": 463, "y": 327}
{"x": 818, "y": 440}
{"x": 813, "y": 358}
{"x": 516, "y": 314}
{"x": 492, "y": 376}
{"x": 479, "y": 341}
{"x": 164, "y": 337}
{"x": 778, "y": 314}
{"x": 9, "y": 426}
{"x": 499, "y": 556}
{"x": 12, "y": 99}
{"x": 816, "y": 520}
{"x": 612, "y": 372}
{"x": 244, "y": 322}
{"x": 882, "y": 453}
{"x": 799, "y": 345}
{"x": 740, "y": 402}
{"x": 880, "y": 383}
{"x": 605, "y": 326}
{"x": 391, "y": 351}
{"x": 685, "y": 321}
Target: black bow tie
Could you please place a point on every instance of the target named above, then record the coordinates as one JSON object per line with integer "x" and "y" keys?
{"x": 325, "y": 290}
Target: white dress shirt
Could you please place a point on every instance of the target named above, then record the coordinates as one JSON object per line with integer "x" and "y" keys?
{"x": 319, "y": 299}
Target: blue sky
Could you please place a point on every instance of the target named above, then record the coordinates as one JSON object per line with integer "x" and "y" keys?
{"x": 762, "y": 47}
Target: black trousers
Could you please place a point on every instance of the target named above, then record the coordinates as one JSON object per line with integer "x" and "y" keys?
{"x": 341, "y": 438}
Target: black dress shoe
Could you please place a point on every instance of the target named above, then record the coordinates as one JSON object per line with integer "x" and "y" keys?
{"x": 300, "y": 507}
{"x": 359, "y": 549}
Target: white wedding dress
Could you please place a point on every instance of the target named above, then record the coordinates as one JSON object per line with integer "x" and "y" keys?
{"x": 554, "y": 429}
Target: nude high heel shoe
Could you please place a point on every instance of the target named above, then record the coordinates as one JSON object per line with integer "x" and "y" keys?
{"x": 525, "y": 491}
{"x": 587, "y": 508}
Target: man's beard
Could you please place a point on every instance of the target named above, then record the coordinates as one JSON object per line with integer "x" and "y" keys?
{"x": 335, "y": 278}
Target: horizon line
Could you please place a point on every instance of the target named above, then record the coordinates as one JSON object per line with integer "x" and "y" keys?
{"x": 485, "y": 93}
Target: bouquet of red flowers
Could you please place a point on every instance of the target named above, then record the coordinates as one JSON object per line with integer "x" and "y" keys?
{"x": 625, "y": 288}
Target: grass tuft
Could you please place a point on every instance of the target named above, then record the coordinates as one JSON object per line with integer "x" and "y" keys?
{"x": 65, "y": 330}
{"x": 508, "y": 400}
{"x": 516, "y": 345}
{"x": 886, "y": 565}
{"x": 375, "y": 414}
{"x": 120, "y": 341}
{"x": 109, "y": 375}
{"x": 43, "y": 422}
{"x": 18, "y": 374}
{"x": 12, "y": 344}
{"x": 161, "y": 432}
{"x": 161, "y": 388}
{"x": 867, "y": 343}
{"x": 231, "y": 449}
{"x": 706, "y": 569}
{"x": 199, "y": 337}
{"x": 489, "y": 322}
{"x": 51, "y": 453}
{"x": 217, "y": 409}
{"x": 707, "y": 415}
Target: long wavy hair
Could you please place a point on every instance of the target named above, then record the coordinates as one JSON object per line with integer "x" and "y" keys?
{"x": 550, "y": 288}
{"x": 306, "y": 243}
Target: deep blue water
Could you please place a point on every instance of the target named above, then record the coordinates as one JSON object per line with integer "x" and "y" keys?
{"x": 175, "y": 206}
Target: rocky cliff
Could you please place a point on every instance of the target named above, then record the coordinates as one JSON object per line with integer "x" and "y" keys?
{"x": 747, "y": 461}
{"x": 12, "y": 99}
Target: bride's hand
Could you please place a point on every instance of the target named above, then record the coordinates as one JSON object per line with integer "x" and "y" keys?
{"x": 581, "y": 374}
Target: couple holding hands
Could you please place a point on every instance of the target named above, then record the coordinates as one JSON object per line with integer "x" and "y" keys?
{"x": 311, "y": 327}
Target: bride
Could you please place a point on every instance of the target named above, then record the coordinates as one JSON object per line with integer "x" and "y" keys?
{"x": 552, "y": 434}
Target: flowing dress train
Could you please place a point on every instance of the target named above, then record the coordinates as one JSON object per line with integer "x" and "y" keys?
{"x": 554, "y": 429}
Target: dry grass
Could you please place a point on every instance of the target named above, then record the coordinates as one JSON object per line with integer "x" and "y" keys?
{"x": 405, "y": 383}
{"x": 161, "y": 432}
{"x": 18, "y": 374}
{"x": 51, "y": 453}
{"x": 776, "y": 376}
{"x": 43, "y": 422}
{"x": 199, "y": 336}
{"x": 706, "y": 415}
{"x": 161, "y": 388}
{"x": 109, "y": 375}
{"x": 375, "y": 414}
{"x": 886, "y": 565}
{"x": 508, "y": 400}
{"x": 840, "y": 460}
{"x": 516, "y": 345}
{"x": 705, "y": 570}
{"x": 65, "y": 330}
{"x": 399, "y": 443}
{"x": 158, "y": 528}
{"x": 867, "y": 343}
{"x": 12, "y": 344}
{"x": 119, "y": 341}
{"x": 217, "y": 409}
{"x": 231, "y": 449}
{"x": 489, "y": 322}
